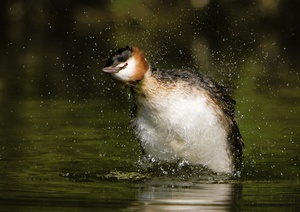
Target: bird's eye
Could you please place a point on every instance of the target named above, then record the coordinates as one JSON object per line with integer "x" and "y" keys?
{"x": 124, "y": 66}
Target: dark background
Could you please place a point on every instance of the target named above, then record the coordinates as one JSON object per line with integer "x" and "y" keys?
{"x": 60, "y": 114}
{"x": 56, "y": 49}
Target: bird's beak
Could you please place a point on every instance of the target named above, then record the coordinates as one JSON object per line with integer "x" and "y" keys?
{"x": 111, "y": 69}
{"x": 114, "y": 69}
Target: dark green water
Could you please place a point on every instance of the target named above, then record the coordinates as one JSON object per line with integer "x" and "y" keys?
{"x": 58, "y": 154}
{"x": 65, "y": 140}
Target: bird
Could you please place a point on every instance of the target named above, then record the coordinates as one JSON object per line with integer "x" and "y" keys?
{"x": 179, "y": 114}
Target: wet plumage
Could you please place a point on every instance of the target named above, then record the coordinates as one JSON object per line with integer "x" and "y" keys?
{"x": 179, "y": 115}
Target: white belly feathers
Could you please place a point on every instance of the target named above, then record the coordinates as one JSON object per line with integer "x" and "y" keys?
{"x": 180, "y": 127}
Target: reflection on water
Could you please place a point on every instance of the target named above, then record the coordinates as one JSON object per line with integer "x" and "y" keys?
{"x": 65, "y": 140}
{"x": 197, "y": 197}
{"x": 63, "y": 153}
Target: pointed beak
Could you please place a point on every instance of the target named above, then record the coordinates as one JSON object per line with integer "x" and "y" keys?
{"x": 111, "y": 69}
{"x": 114, "y": 69}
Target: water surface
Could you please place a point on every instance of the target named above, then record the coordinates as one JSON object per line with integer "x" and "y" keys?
{"x": 67, "y": 155}
{"x": 65, "y": 139}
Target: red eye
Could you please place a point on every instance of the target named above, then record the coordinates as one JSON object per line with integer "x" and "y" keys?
{"x": 124, "y": 66}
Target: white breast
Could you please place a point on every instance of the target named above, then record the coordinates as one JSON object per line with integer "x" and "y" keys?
{"x": 182, "y": 126}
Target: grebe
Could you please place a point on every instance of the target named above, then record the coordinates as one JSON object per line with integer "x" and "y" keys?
{"x": 179, "y": 115}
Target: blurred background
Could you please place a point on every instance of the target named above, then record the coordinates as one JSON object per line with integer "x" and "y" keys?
{"x": 57, "y": 48}
{"x": 63, "y": 120}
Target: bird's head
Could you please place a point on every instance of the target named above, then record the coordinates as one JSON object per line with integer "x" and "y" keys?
{"x": 127, "y": 65}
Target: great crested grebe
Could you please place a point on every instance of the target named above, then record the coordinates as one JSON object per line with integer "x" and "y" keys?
{"x": 179, "y": 115}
